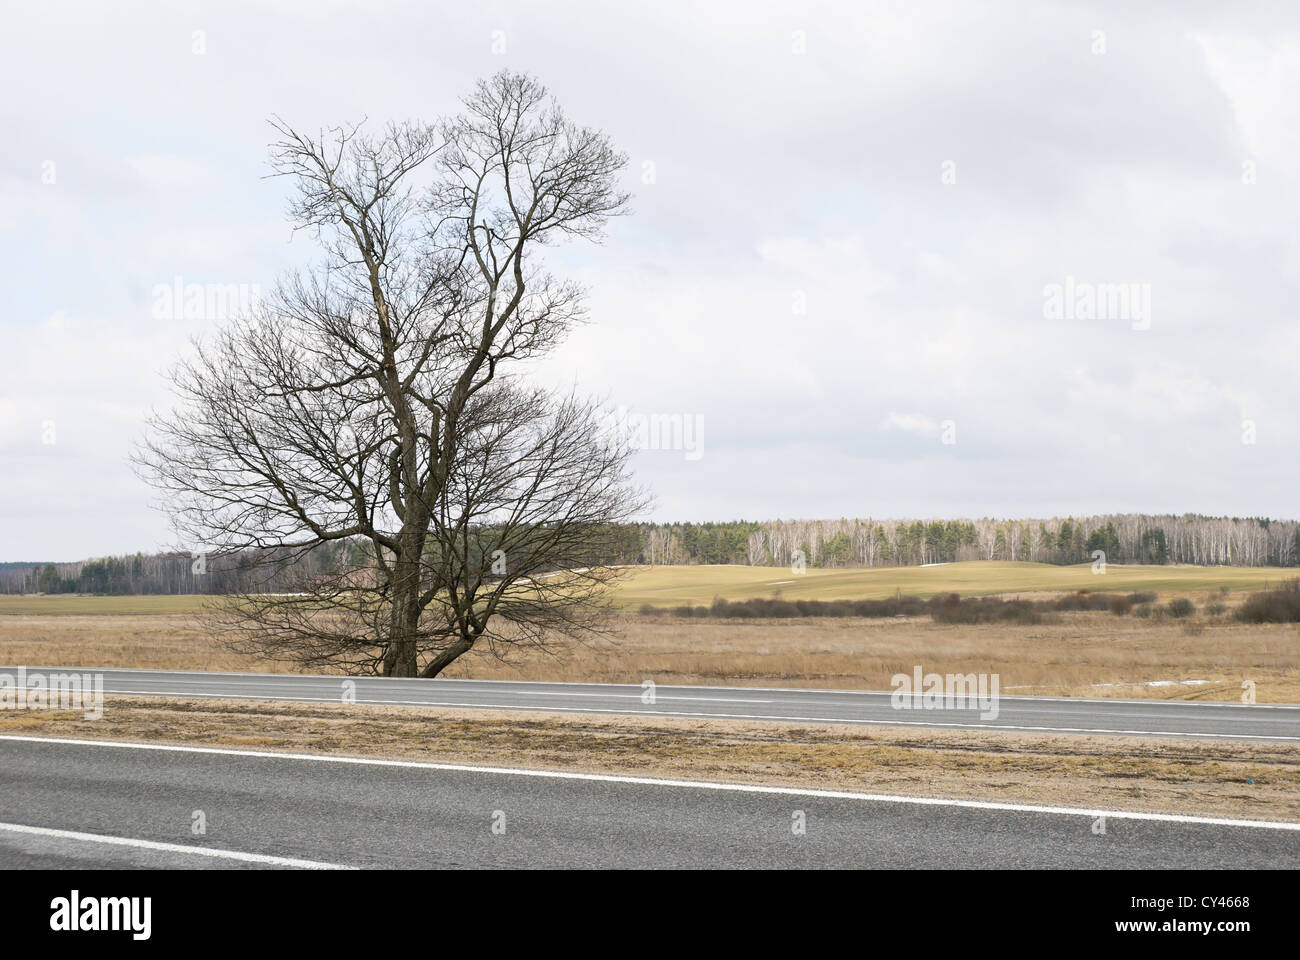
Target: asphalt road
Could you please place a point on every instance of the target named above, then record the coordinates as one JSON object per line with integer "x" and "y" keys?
{"x": 1163, "y": 718}
{"x": 85, "y": 806}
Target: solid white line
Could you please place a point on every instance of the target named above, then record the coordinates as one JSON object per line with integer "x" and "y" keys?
{"x": 172, "y": 847}
{"x": 653, "y": 782}
{"x": 637, "y": 695}
{"x": 629, "y": 712}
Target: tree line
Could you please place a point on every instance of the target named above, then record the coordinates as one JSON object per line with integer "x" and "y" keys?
{"x": 1123, "y": 538}
{"x": 174, "y": 572}
{"x": 864, "y": 542}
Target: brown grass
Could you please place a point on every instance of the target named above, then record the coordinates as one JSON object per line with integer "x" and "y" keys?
{"x": 148, "y": 641}
{"x": 1073, "y": 657}
{"x": 1068, "y": 658}
{"x": 1209, "y": 778}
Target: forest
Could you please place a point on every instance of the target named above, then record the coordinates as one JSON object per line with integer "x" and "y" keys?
{"x": 1123, "y": 538}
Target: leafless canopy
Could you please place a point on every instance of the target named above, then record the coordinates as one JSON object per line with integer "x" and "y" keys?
{"x": 369, "y": 404}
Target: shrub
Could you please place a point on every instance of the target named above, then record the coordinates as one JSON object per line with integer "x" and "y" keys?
{"x": 1143, "y": 610}
{"x": 1215, "y": 608}
{"x": 687, "y": 611}
{"x": 1120, "y": 605}
{"x": 1273, "y": 606}
{"x": 1142, "y": 598}
{"x": 1180, "y": 608}
{"x": 1083, "y": 600}
{"x": 775, "y": 607}
{"x": 953, "y": 609}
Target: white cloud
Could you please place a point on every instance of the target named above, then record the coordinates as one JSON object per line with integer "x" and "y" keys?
{"x": 798, "y": 275}
{"x": 910, "y": 423}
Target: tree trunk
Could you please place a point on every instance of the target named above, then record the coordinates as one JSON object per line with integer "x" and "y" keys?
{"x": 400, "y": 660}
{"x": 443, "y": 660}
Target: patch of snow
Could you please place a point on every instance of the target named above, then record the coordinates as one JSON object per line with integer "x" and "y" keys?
{"x": 1154, "y": 683}
{"x": 1135, "y": 683}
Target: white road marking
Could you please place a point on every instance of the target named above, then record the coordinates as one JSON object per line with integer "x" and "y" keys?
{"x": 172, "y": 847}
{"x": 653, "y": 782}
{"x": 522, "y": 693}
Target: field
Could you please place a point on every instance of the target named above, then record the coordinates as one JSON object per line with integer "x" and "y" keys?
{"x": 64, "y": 605}
{"x": 696, "y": 585}
{"x": 674, "y": 586}
{"x": 1092, "y": 654}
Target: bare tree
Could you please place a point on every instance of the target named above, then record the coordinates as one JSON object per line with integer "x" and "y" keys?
{"x": 370, "y": 401}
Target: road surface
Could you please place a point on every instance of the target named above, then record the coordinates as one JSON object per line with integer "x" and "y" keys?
{"x": 1161, "y": 718}
{"x": 86, "y": 805}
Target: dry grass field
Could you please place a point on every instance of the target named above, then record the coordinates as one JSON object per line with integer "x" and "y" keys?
{"x": 1085, "y": 654}
{"x": 675, "y": 586}
{"x": 1092, "y": 654}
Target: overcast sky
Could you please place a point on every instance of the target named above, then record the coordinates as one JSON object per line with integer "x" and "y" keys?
{"x": 862, "y": 241}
